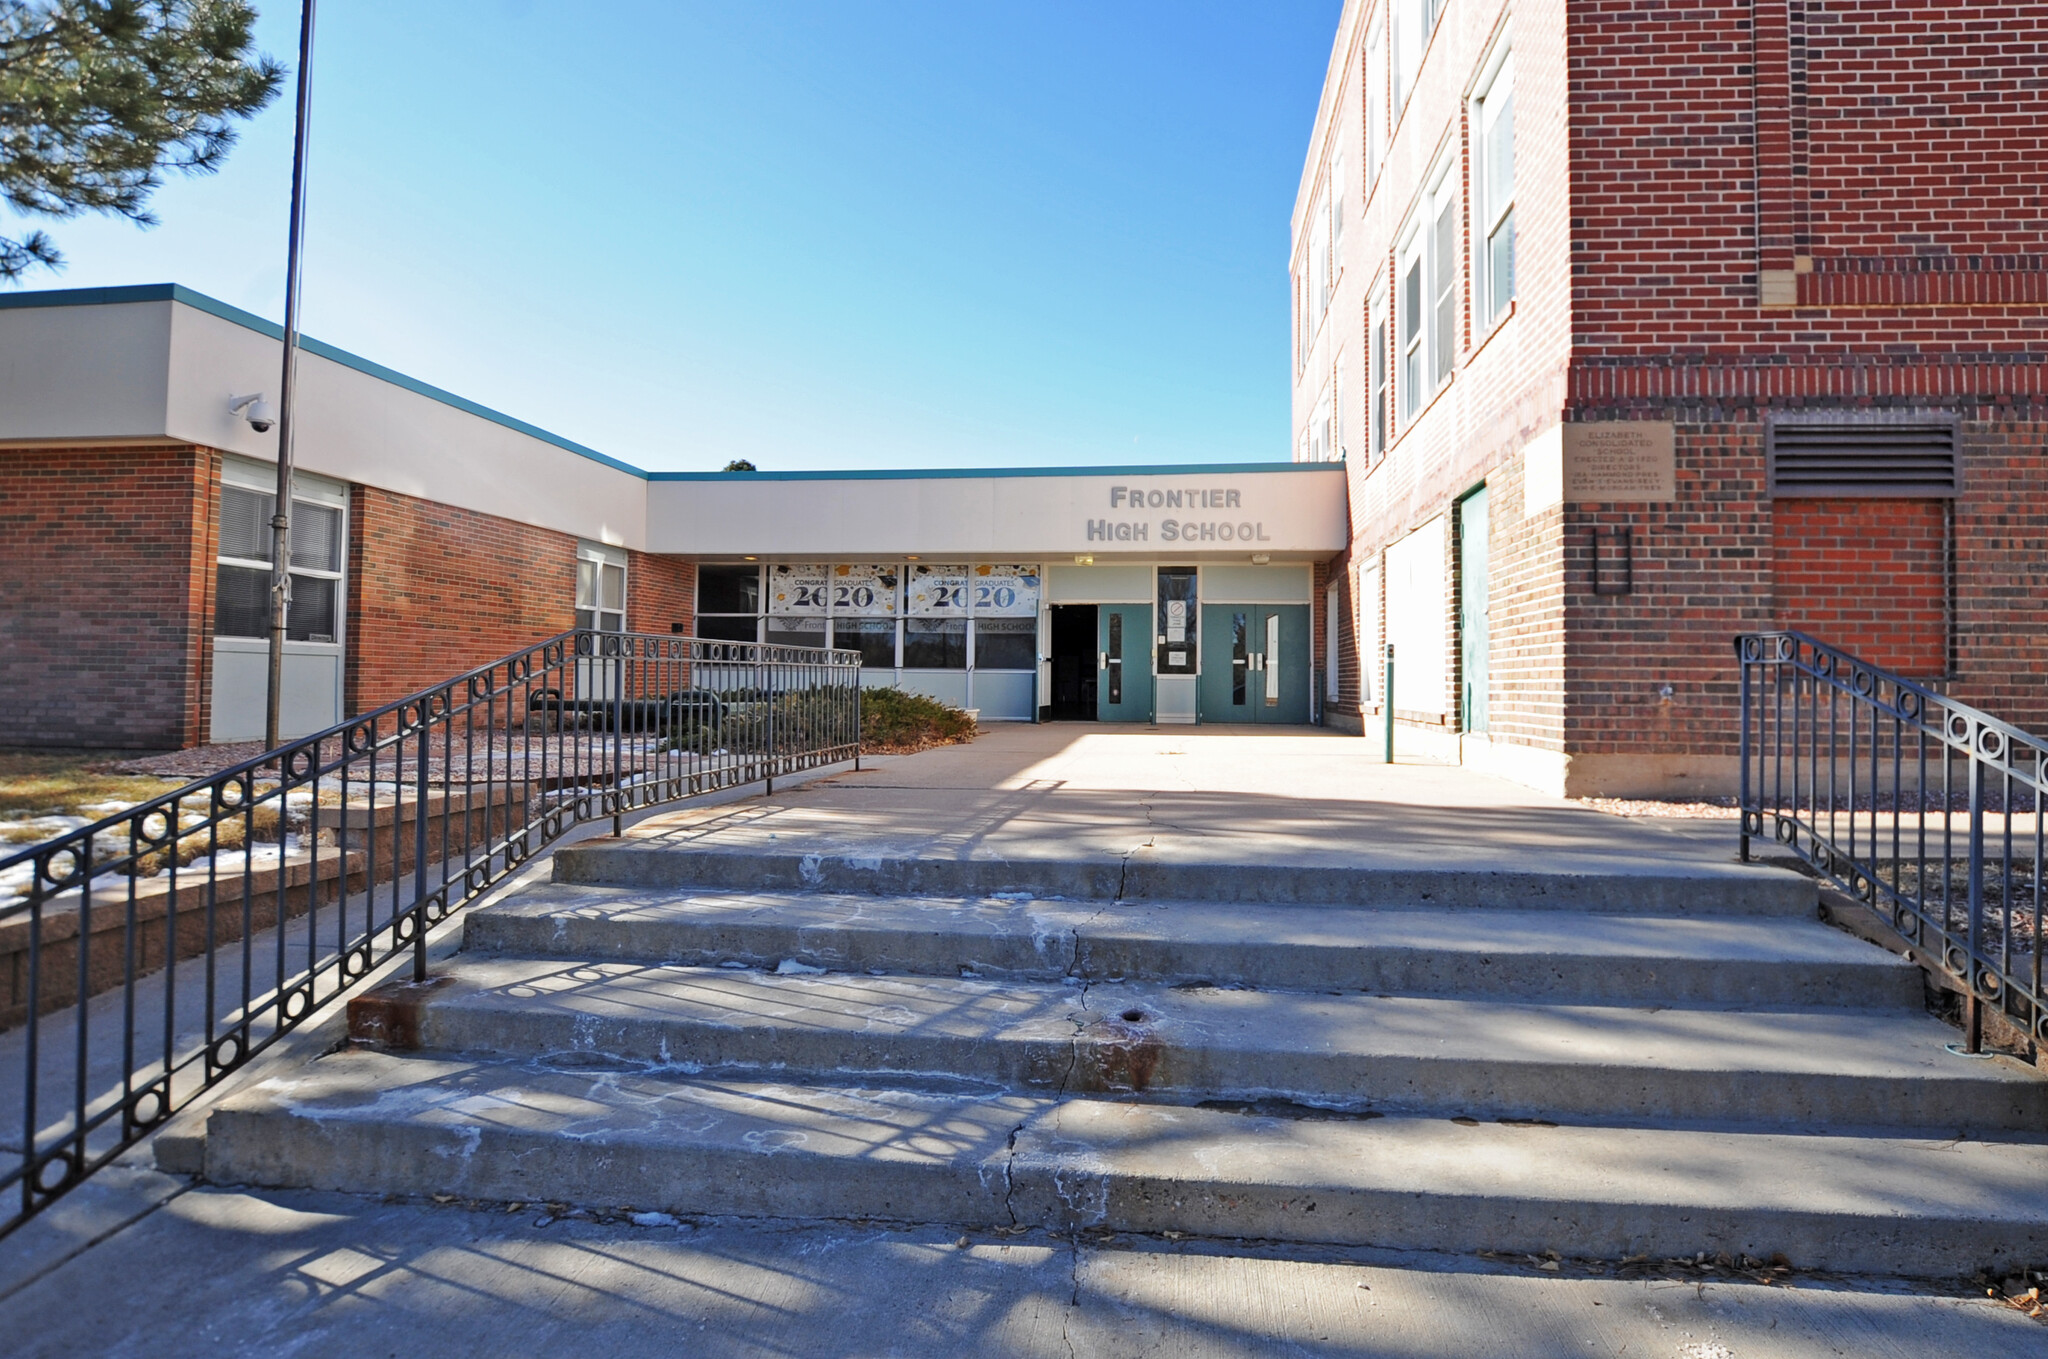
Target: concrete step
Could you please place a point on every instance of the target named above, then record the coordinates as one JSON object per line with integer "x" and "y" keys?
{"x": 1785, "y": 1068}
{"x": 378, "y": 1123}
{"x": 1756, "y": 961}
{"x": 1704, "y": 888}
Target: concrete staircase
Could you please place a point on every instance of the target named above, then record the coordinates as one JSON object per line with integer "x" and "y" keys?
{"x": 1602, "y": 1066}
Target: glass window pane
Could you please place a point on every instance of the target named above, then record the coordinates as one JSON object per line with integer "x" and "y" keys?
{"x": 614, "y": 581}
{"x": 1006, "y": 644}
{"x": 935, "y": 644}
{"x": 1500, "y": 266}
{"x": 728, "y": 629}
{"x": 241, "y": 602}
{"x": 729, "y": 589}
{"x": 312, "y": 613}
{"x": 796, "y": 631}
{"x": 316, "y": 536}
{"x": 1500, "y": 152}
{"x": 1177, "y": 618}
{"x": 1443, "y": 342}
{"x": 873, "y": 638}
{"x": 586, "y": 585}
{"x": 244, "y": 524}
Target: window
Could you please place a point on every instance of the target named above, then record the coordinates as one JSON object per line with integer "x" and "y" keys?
{"x": 1428, "y": 315}
{"x": 1411, "y": 324}
{"x": 1319, "y": 430}
{"x": 1301, "y": 332}
{"x": 1339, "y": 440}
{"x": 242, "y": 569}
{"x": 1376, "y": 414}
{"x": 600, "y": 588}
{"x": 935, "y": 644}
{"x": 1318, "y": 260}
{"x": 873, "y": 638}
{"x": 785, "y": 631}
{"x": 1414, "y": 21}
{"x": 1006, "y": 644}
{"x": 1494, "y": 117}
{"x": 1336, "y": 195}
{"x": 729, "y": 589}
{"x": 1443, "y": 331}
{"x": 1375, "y": 102}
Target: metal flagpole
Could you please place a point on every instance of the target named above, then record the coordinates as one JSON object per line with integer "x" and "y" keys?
{"x": 281, "y": 518}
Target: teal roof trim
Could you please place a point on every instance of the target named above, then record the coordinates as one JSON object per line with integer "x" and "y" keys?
{"x": 177, "y": 292}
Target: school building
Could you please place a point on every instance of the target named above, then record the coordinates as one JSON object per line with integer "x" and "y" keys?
{"x": 1636, "y": 326}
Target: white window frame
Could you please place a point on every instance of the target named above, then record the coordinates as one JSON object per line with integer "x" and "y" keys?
{"x": 1379, "y": 373}
{"x": 1411, "y": 329}
{"x": 1340, "y": 442}
{"x": 599, "y": 558}
{"x": 1444, "y": 274}
{"x": 1414, "y": 25}
{"x": 1319, "y": 429}
{"x": 1335, "y": 192}
{"x": 1319, "y": 257}
{"x": 313, "y": 492}
{"x": 1493, "y": 212}
{"x": 1427, "y": 349}
{"x": 1375, "y": 99}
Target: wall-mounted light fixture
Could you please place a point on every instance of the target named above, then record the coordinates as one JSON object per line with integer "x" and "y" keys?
{"x": 1261, "y": 558}
{"x": 1084, "y": 561}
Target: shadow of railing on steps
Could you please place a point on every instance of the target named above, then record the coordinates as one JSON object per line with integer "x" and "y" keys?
{"x": 366, "y": 835}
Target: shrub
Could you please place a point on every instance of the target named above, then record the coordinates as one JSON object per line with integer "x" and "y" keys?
{"x": 893, "y": 722}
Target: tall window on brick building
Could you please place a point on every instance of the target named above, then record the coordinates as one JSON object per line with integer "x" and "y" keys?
{"x": 1319, "y": 258}
{"x": 1443, "y": 261}
{"x": 242, "y": 571}
{"x": 600, "y": 587}
{"x": 1375, "y": 100}
{"x": 1494, "y": 117}
{"x": 1414, "y": 21}
{"x": 729, "y": 601}
{"x": 1376, "y": 377}
{"x": 1412, "y": 330}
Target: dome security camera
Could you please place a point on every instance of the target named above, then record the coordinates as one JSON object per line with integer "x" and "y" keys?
{"x": 255, "y": 410}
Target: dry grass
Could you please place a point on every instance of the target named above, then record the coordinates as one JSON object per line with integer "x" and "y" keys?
{"x": 63, "y": 783}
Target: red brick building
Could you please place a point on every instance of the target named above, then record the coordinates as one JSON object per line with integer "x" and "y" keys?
{"x": 1639, "y": 325}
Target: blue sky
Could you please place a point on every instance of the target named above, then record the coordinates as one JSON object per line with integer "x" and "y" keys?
{"x": 854, "y": 234}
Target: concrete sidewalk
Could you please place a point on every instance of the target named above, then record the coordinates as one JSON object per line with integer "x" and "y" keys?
{"x": 1239, "y": 795}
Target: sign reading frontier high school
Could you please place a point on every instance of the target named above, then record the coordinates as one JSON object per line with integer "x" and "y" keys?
{"x": 1023, "y": 516}
{"x": 1172, "y": 529}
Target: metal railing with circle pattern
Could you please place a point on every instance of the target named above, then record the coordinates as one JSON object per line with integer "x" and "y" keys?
{"x": 1925, "y": 809}
{"x": 148, "y": 956}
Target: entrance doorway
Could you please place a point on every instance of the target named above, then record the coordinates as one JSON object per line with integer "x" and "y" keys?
{"x": 1073, "y": 664}
{"x": 1255, "y": 663}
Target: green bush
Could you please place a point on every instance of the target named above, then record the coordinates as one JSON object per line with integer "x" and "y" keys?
{"x": 895, "y": 722}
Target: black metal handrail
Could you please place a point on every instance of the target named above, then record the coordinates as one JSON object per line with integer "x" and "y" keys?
{"x": 1925, "y": 809}
{"x": 290, "y": 877}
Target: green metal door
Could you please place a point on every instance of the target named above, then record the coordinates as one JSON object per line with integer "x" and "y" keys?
{"x": 1255, "y": 663}
{"x": 1123, "y": 688}
{"x": 1278, "y": 645}
{"x": 1472, "y": 636}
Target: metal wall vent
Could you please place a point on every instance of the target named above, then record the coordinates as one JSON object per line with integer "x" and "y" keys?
{"x": 1907, "y": 456}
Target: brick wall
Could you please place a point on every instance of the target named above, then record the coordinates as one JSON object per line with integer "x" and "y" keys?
{"x": 2001, "y": 571}
{"x": 660, "y": 593}
{"x": 435, "y": 590}
{"x": 1869, "y": 576}
{"x": 107, "y": 581}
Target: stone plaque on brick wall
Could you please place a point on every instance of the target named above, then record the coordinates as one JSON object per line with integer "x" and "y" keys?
{"x": 1619, "y": 460}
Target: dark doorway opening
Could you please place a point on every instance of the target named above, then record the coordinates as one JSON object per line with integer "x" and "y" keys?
{"x": 1074, "y": 663}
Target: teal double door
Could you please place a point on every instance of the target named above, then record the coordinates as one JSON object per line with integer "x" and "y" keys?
{"x": 1123, "y": 680}
{"x": 1255, "y": 663}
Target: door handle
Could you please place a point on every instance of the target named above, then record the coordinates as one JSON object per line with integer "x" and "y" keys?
{"x": 1102, "y": 660}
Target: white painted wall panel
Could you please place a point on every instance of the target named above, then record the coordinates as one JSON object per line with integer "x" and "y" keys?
{"x": 1226, "y": 583}
{"x": 1117, "y": 583}
{"x": 85, "y": 372}
{"x": 1417, "y": 610}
